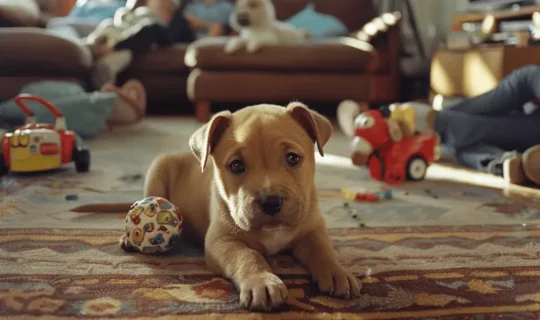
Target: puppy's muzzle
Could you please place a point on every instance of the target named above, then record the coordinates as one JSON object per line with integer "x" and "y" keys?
{"x": 270, "y": 204}
{"x": 242, "y": 19}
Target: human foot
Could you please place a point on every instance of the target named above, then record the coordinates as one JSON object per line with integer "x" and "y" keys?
{"x": 521, "y": 168}
{"x": 513, "y": 170}
{"x": 531, "y": 164}
{"x": 131, "y": 103}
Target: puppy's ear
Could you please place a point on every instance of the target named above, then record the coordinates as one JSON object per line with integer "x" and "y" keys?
{"x": 204, "y": 140}
{"x": 317, "y": 126}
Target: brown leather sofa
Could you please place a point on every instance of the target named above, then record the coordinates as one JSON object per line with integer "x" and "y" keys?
{"x": 363, "y": 67}
{"x": 32, "y": 53}
{"x": 329, "y": 70}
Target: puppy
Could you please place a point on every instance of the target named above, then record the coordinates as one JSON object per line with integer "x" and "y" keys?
{"x": 249, "y": 192}
{"x": 255, "y": 21}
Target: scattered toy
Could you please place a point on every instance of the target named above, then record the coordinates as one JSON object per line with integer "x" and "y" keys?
{"x": 153, "y": 225}
{"x": 72, "y": 197}
{"x": 383, "y": 194}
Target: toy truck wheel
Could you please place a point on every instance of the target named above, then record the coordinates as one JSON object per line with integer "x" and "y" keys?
{"x": 416, "y": 168}
{"x": 3, "y": 167}
{"x": 81, "y": 157}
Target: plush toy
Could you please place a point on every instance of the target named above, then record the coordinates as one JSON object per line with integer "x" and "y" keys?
{"x": 138, "y": 29}
{"x": 392, "y": 148}
{"x": 153, "y": 225}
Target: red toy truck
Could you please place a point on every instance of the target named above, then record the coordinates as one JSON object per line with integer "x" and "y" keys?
{"x": 390, "y": 161}
{"x": 40, "y": 147}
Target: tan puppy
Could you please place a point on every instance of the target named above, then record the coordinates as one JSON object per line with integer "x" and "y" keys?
{"x": 255, "y": 197}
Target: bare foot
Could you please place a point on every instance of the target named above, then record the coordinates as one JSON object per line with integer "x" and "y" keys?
{"x": 131, "y": 105}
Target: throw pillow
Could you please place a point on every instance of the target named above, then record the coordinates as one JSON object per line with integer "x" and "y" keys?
{"x": 320, "y": 25}
{"x": 95, "y": 10}
{"x": 20, "y": 13}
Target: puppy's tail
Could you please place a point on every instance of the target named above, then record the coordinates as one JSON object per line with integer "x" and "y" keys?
{"x": 119, "y": 207}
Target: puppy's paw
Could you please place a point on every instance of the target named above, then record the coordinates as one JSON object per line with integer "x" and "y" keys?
{"x": 125, "y": 244}
{"x": 263, "y": 292}
{"x": 337, "y": 282}
{"x": 253, "y": 46}
{"x": 233, "y": 46}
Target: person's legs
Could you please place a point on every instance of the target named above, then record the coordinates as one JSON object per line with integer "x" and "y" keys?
{"x": 484, "y": 157}
{"x": 518, "y": 88}
{"x": 480, "y": 142}
{"x": 460, "y": 130}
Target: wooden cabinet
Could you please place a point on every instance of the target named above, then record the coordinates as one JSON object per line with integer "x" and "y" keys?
{"x": 471, "y": 72}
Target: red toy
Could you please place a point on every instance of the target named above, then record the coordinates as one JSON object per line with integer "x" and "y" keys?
{"x": 39, "y": 147}
{"x": 388, "y": 160}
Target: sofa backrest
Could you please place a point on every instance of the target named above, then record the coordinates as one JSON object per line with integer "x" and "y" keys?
{"x": 353, "y": 13}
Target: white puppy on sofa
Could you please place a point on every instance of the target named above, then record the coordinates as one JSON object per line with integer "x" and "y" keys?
{"x": 257, "y": 26}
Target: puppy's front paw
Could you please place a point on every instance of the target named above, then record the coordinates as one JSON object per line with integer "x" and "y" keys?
{"x": 337, "y": 282}
{"x": 263, "y": 292}
{"x": 233, "y": 46}
{"x": 125, "y": 244}
{"x": 253, "y": 47}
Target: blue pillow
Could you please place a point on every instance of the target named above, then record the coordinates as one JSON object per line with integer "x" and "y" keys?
{"x": 96, "y": 10}
{"x": 319, "y": 25}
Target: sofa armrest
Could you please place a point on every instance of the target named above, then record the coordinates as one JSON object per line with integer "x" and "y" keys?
{"x": 35, "y": 50}
{"x": 379, "y": 27}
{"x": 384, "y": 33}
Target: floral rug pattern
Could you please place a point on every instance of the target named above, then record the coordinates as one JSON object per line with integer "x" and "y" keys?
{"x": 437, "y": 250}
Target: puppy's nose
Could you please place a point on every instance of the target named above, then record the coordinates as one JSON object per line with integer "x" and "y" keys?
{"x": 242, "y": 19}
{"x": 271, "y": 204}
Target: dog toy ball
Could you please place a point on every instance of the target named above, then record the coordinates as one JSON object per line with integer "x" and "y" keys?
{"x": 153, "y": 225}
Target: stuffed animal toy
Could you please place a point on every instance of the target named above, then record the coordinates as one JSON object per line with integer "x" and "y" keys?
{"x": 153, "y": 225}
{"x": 257, "y": 26}
{"x": 131, "y": 30}
{"x": 391, "y": 147}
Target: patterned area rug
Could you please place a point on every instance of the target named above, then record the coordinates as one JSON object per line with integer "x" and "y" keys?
{"x": 437, "y": 250}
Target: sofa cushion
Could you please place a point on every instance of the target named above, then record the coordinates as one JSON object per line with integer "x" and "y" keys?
{"x": 20, "y": 13}
{"x": 33, "y": 51}
{"x": 95, "y": 11}
{"x": 325, "y": 55}
{"x": 162, "y": 61}
{"x": 319, "y": 25}
{"x": 276, "y": 87}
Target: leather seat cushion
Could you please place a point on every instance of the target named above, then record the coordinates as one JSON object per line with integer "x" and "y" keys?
{"x": 36, "y": 51}
{"x": 329, "y": 55}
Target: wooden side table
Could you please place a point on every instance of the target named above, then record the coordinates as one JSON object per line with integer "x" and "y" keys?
{"x": 471, "y": 72}
{"x": 525, "y": 12}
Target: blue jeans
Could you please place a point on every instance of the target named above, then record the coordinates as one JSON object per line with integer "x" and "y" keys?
{"x": 484, "y": 129}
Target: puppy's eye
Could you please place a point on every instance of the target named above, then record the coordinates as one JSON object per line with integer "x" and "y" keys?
{"x": 237, "y": 167}
{"x": 253, "y": 4}
{"x": 292, "y": 159}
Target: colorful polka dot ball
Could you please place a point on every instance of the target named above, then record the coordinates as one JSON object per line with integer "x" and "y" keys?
{"x": 153, "y": 225}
